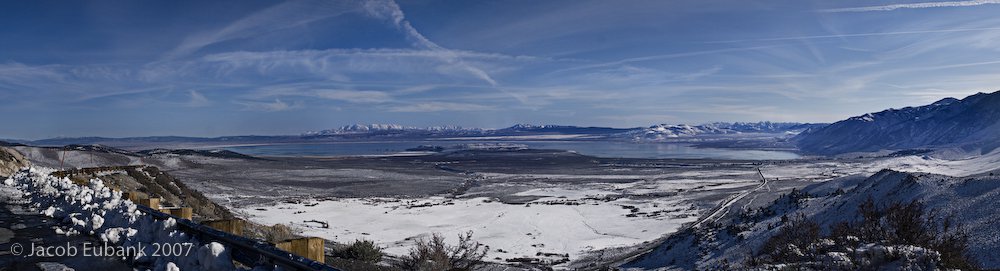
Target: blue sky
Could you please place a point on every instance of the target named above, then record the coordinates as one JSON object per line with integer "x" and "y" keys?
{"x": 212, "y": 68}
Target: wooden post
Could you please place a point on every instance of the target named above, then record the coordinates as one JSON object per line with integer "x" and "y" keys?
{"x": 180, "y": 212}
{"x": 233, "y": 226}
{"x": 133, "y": 196}
{"x": 309, "y": 247}
{"x": 61, "y": 158}
{"x": 150, "y": 202}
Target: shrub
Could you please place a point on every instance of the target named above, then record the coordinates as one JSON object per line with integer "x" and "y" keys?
{"x": 362, "y": 250}
{"x": 278, "y": 233}
{"x": 792, "y": 238}
{"x": 900, "y": 225}
{"x": 433, "y": 254}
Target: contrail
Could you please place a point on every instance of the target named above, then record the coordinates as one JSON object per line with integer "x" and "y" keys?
{"x": 913, "y": 6}
{"x": 873, "y": 34}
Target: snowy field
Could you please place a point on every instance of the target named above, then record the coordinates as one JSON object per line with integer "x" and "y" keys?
{"x": 511, "y": 231}
{"x": 562, "y": 222}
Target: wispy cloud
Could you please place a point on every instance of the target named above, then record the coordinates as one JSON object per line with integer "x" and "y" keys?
{"x": 440, "y": 106}
{"x": 281, "y": 16}
{"x": 388, "y": 9}
{"x": 198, "y": 100}
{"x": 275, "y": 106}
{"x": 665, "y": 57}
{"x": 354, "y": 96}
{"x": 589, "y": 62}
{"x": 869, "y": 34}
{"x": 914, "y": 6}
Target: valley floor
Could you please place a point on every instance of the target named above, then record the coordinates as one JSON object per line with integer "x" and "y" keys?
{"x": 545, "y": 207}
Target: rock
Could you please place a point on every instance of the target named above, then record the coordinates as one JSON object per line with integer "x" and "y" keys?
{"x": 49, "y": 266}
{"x": 11, "y": 161}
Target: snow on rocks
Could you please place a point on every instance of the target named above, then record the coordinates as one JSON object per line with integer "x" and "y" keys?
{"x": 97, "y": 210}
{"x": 215, "y": 256}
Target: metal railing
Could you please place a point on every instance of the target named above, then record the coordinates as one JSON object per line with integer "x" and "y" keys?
{"x": 249, "y": 252}
{"x": 244, "y": 250}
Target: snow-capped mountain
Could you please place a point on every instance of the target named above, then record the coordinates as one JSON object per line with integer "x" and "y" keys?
{"x": 517, "y": 129}
{"x": 556, "y": 129}
{"x": 970, "y": 123}
{"x": 652, "y": 133}
{"x": 385, "y": 128}
{"x": 661, "y": 132}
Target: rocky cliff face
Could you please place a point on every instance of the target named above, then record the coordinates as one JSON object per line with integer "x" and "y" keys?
{"x": 11, "y": 161}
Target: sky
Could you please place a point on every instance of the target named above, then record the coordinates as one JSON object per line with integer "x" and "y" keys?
{"x": 215, "y": 68}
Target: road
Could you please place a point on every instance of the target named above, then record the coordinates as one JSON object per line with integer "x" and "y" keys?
{"x": 723, "y": 208}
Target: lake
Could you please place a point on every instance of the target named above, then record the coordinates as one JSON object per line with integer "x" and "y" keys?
{"x": 593, "y": 148}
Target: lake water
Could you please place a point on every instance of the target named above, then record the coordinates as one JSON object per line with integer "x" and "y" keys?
{"x": 592, "y": 148}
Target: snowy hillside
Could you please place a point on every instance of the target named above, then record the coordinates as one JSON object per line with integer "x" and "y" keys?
{"x": 745, "y": 240}
{"x": 972, "y": 123}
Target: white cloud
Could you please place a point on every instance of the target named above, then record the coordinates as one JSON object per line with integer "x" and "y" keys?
{"x": 198, "y": 100}
{"x": 281, "y": 16}
{"x": 354, "y": 96}
{"x": 870, "y": 34}
{"x": 295, "y": 13}
{"x": 388, "y": 9}
{"x": 440, "y": 106}
{"x": 277, "y": 105}
{"x": 666, "y": 56}
{"x": 914, "y": 6}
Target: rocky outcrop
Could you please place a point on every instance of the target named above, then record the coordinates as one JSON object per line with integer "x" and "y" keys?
{"x": 11, "y": 161}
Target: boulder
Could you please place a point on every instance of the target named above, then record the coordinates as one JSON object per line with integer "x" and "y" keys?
{"x": 11, "y": 161}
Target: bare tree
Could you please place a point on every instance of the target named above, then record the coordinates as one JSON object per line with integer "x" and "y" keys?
{"x": 433, "y": 254}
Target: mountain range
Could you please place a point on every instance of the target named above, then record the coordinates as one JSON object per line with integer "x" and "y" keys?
{"x": 654, "y": 133}
{"x": 664, "y": 132}
{"x": 651, "y": 133}
{"x": 970, "y": 124}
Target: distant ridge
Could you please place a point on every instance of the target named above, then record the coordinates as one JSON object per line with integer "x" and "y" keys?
{"x": 387, "y": 128}
{"x": 972, "y": 123}
{"x": 661, "y": 132}
{"x": 655, "y": 133}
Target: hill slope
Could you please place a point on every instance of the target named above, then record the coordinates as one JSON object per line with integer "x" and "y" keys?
{"x": 972, "y": 123}
{"x": 737, "y": 241}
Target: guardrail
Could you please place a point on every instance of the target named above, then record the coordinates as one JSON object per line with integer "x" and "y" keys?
{"x": 244, "y": 250}
{"x": 249, "y": 252}
{"x": 92, "y": 170}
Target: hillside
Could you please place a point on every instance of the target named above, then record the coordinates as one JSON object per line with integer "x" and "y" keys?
{"x": 745, "y": 239}
{"x": 970, "y": 124}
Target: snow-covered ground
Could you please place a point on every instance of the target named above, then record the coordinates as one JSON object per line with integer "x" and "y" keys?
{"x": 912, "y": 163}
{"x": 956, "y": 188}
{"x": 563, "y": 220}
{"x": 955, "y": 168}
{"x": 510, "y": 230}
{"x": 98, "y": 211}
